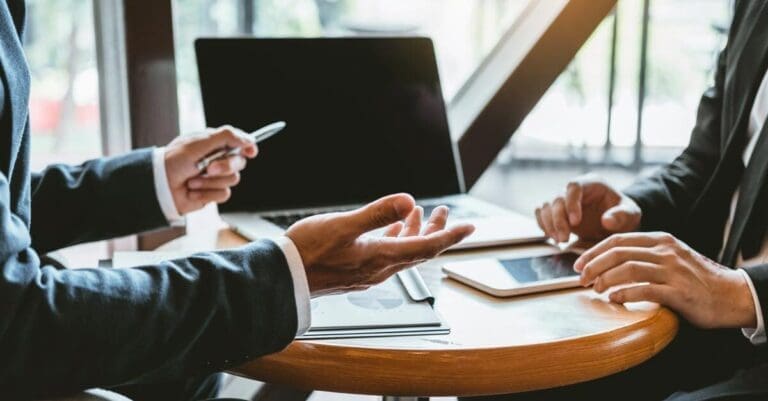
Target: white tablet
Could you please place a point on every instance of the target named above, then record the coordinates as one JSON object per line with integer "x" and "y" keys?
{"x": 510, "y": 277}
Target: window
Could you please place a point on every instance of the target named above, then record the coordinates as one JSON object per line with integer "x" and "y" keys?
{"x": 64, "y": 104}
{"x": 571, "y": 120}
{"x": 464, "y": 31}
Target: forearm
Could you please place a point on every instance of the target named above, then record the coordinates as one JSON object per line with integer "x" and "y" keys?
{"x": 177, "y": 319}
{"x": 100, "y": 199}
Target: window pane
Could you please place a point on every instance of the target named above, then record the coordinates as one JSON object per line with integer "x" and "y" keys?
{"x": 64, "y": 104}
{"x": 464, "y": 31}
{"x": 682, "y": 53}
{"x": 570, "y": 121}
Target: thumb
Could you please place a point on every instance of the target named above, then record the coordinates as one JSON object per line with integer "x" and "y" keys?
{"x": 618, "y": 218}
{"x": 377, "y": 214}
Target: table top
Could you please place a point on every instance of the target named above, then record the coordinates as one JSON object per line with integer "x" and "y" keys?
{"x": 496, "y": 345}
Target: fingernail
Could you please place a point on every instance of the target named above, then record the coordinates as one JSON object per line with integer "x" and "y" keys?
{"x": 195, "y": 184}
{"x": 572, "y": 217}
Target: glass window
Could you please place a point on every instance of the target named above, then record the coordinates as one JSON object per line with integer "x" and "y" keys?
{"x": 571, "y": 120}
{"x": 64, "y": 105}
{"x": 464, "y": 31}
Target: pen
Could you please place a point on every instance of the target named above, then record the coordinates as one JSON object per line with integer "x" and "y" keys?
{"x": 257, "y": 136}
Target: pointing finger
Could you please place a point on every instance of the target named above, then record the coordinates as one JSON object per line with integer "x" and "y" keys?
{"x": 573, "y": 202}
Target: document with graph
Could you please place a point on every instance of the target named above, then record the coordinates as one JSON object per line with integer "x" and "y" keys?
{"x": 402, "y": 305}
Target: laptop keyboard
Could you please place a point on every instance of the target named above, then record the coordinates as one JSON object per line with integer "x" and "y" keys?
{"x": 285, "y": 220}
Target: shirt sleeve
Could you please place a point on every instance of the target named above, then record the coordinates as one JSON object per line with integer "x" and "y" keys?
{"x": 757, "y": 335}
{"x": 163, "y": 188}
{"x": 300, "y": 285}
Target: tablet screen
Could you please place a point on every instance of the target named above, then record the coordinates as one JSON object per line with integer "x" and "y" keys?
{"x": 540, "y": 268}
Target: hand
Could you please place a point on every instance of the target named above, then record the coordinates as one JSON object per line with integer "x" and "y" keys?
{"x": 591, "y": 209}
{"x": 338, "y": 258}
{"x": 703, "y": 292}
{"x": 192, "y": 189}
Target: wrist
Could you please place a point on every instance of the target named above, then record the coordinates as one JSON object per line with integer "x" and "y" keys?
{"x": 738, "y": 300}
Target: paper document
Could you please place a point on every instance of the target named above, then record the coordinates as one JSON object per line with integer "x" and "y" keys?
{"x": 401, "y": 305}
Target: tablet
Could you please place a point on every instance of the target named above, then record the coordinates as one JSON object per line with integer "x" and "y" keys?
{"x": 510, "y": 277}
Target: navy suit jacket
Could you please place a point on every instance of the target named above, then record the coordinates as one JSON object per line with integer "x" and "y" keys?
{"x": 65, "y": 330}
{"x": 691, "y": 196}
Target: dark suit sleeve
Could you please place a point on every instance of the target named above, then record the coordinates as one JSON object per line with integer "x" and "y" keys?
{"x": 665, "y": 196}
{"x": 64, "y": 330}
{"x": 100, "y": 199}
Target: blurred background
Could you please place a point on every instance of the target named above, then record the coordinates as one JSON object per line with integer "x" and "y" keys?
{"x": 570, "y": 123}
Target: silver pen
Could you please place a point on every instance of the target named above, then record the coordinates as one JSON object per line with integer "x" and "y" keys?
{"x": 257, "y": 136}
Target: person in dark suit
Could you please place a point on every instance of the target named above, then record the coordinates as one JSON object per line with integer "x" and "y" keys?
{"x": 691, "y": 237}
{"x": 158, "y": 332}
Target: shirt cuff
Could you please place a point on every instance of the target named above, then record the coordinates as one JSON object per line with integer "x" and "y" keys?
{"x": 300, "y": 285}
{"x": 757, "y": 335}
{"x": 163, "y": 188}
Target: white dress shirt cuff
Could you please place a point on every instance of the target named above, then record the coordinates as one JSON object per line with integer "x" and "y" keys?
{"x": 163, "y": 188}
{"x": 300, "y": 285}
{"x": 757, "y": 335}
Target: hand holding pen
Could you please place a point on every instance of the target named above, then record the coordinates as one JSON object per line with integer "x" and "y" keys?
{"x": 192, "y": 187}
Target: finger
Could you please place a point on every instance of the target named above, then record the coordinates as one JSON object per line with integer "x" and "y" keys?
{"x": 546, "y": 220}
{"x": 617, "y": 217}
{"x": 613, "y": 258}
{"x": 437, "y": 220}
{"x": 408, "y": 249}
{"x": 659, "y": 293}
{"x": 394, "y": 229}
{"x": 250, "y": 150}
{"x": 205, "y": 196}
{"x": 631, "y": 272}
{"x": 573, "y": 202}
{"x": 413, "y": 222}
{"x": 377, "y": 214}
{"x": 226, "y": 166}
{"x": 560, "y": 220}
{"x": 218, "y": 182}
{"x": 625, "y": 240}
{"x": 222, "y": 137}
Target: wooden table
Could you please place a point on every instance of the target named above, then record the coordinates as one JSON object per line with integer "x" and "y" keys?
{"x": 495, "y": 346}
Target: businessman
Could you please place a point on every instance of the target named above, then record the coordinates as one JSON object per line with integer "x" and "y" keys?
{"x": 158, "y": 332}
{"x": 691, "y": 237}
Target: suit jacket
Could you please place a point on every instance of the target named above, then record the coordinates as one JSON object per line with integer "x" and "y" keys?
{"x": 65, "y": 330}
{"x": 690, "y": 197}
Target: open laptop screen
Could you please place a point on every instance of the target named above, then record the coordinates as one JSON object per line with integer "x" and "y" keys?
{"x": 365, "y": 118}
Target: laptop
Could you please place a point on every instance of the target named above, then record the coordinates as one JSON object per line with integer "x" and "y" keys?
{"x": 365, "y": 118}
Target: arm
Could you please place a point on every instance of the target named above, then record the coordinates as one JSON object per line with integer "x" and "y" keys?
{"x": 179, "y": 318}
{"x": 666, "y": 195}
{"x": 139, "y": 191}
{"x": 100, "y": 199}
